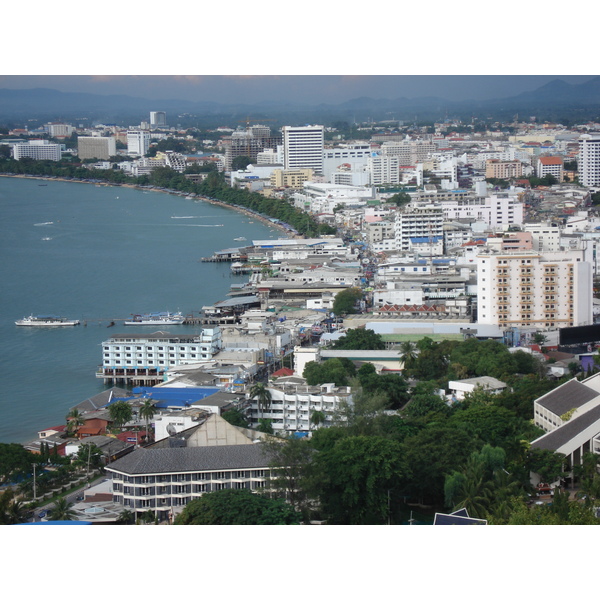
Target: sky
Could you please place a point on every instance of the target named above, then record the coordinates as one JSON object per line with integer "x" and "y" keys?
{"x": 306, "y": 89}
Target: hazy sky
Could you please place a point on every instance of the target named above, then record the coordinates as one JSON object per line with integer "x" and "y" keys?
{"x": 310, "y": 89}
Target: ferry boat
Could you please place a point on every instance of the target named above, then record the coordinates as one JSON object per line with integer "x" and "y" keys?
{"x": 46, "y": 321}
{"x": 157, "y": 318}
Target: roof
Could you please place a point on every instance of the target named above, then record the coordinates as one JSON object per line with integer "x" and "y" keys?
{"x": 181, "y": 460}
{"x": 572, "y": 394}
{"x": 283, "y": 372}
{"x": 560, "y": 437}
{"x": 551, "y": 160}
{"x": 100, "y": 400}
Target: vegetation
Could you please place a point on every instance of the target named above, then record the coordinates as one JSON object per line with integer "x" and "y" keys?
{"x": 345, "y": 302}
{"x": 237, "y": 507}
{"x": 120, "y": 412}
{"x": 360, "y": 339}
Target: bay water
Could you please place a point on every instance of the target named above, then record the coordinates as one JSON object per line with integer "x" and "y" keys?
{"x": 97, "y": 254}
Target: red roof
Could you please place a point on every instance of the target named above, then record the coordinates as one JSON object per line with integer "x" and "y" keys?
{"x": 551, "y": 160}
{"x": 283, "y": 372}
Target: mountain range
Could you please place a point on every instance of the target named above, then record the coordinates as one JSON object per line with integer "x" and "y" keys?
{"x": 552, "y": 99}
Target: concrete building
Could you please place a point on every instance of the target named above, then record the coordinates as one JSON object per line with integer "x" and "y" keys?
{"x": 294, "y": 179}
{"x": 533, "y": 289}
{"x": 138, "y": 142}
{"x": 383, "y": 169}
{"x": 59, "y": 130}
{"x": 38, "y": 150}
{"x": 503, "y": 169}
{"x": 550, "y": 165}
{"x": 303, "y": 147}
{"x": 589, "y": 160}
{"x": 349, "y": 157}
{"x": 158, "y": 118}
{"x": 96, "y": 147}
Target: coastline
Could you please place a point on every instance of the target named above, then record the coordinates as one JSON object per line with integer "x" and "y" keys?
{"x": 265, "y": 220}
{"x": 253, "y": 215}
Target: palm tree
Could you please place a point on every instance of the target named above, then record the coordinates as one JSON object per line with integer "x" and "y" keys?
{"x": 260, "y": 392}
{"x": 147, "y": 412}
{"x": 62, "y": 510}
{"x": 126, "y": 517}
{"x": 74, "y": 421}
{"x": 408, "y": 354}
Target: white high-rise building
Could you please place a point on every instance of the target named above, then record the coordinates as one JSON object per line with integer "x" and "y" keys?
{"x": 303, "y": 147}
{"x": 384, "y": 169}
{"x": 138, "y": 142}
{"x": 589, "y": 160}
{"x": 38, "y": 150}
{"x": 545, "y": 290}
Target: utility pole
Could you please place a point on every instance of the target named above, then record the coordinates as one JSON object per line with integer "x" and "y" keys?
{"x": 34, "y": 489}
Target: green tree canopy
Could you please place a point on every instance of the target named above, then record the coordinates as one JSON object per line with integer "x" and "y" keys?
{"x": 345, "y": 301}
{"x": 360, "y": 339}
{"x": 120, "y": 412}
{"x": 237, "y": 507}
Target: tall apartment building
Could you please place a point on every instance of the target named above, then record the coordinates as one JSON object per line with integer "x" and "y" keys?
{"x": 303, "y": 147}
{"x": 96, "y": 147}
{"x": 158, "y": 118}
{"x": 418, "y": 221}
{"x": 384, "y": 169}
{"x": 533, "y": 289}
{"x": 589, "y": 160}
{"x": 138, "y": 141}
{"x": 38, "y": 150}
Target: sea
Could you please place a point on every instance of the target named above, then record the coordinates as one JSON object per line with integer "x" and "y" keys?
{"x": 98, "y": 254}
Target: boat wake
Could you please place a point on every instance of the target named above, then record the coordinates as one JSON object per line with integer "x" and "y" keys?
{"x": 46, "y": 223}
{"x": 45, "y": 239}
{"x": 191, "y": 217}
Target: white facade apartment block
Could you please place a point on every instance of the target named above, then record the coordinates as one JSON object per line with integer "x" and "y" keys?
{"x": 546, "y": 236}
{"x": 38, "y": 150}
{"x": 159, "y": 351}
{"x": 292, "y": 405}
{"x": 96, "y": 147}
{"x": 497, "y": 210}
{"x": 138, "y": 142}
{"x": 533, "y": 289}
{"x": 417, "y": 221}
{"x": 303, "y": 147}
{"x": 384, "y": 169}
{"x": 56, "y": 130}
{"x": 158, "y": 118}
{"x": 589, "y": 160}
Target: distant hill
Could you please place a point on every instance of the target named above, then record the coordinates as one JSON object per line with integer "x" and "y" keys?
{"x": 554, "y": 98}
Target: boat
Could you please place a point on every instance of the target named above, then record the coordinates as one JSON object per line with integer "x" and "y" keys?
{"x": 46, "y": 321}
{"x": 157, "y": 318}
{"x": 239, "y": 239}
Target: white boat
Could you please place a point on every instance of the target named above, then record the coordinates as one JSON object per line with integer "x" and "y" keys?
{"x": 46, "y": 321}
{"x": 239, "y": 239}
{"x": 157, "y": 318}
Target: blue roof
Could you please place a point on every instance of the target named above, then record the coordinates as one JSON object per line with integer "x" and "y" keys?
{"x": 425, "y": 240}
{"x": 165, "y": 397}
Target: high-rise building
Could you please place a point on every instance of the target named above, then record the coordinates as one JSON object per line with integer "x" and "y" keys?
{"x": 96, "y": 147}
{"x": 543, "y": 290}
{"x": 589, "y": 160}
{"x": 158, "y": 118}
{"x": 303, "y": 147}
{"x": 38, "y": 150}
{"x": 138, "y": 142}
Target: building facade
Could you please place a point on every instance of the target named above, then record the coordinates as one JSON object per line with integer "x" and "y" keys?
{"x": 303, "y": 147}
{"x": 143, "y": 359}
{"x": 589, "y": 160}
{"x": 38, "y": 150}
{"x": 138, "y": 142}
{"x": 96, "y": 147}
{"x": 536, "y": 290}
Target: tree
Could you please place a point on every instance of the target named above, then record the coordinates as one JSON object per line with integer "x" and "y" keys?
{"x": 360, "y": 339}
{"x": 120, "y": 412}
{"x": 334, "y": 370}
{"x": 126, "y": 517}
{"x": 89, "y": 455}
{"x": 147, "y": 412}
{"x": 354, "y": 479}
{"x": 547, "y": 464}
{"x": 345, "y": 301}
{"x": 399, "y": 199}
{"x": 408, "y": 354}
{"x": 15, "y": 462}
{"x": 425, "y": 401}
{"x": 74, "y": 421}
{"x": 234, "y": 416}
{"x": 62, "y": 511}
{"x": 236, "y": 507}
{"x": 12, "y": 511}
{"x": 262, "y": 394}
{"x": 317, "y": 417}
{"x": 239, "y": 163}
